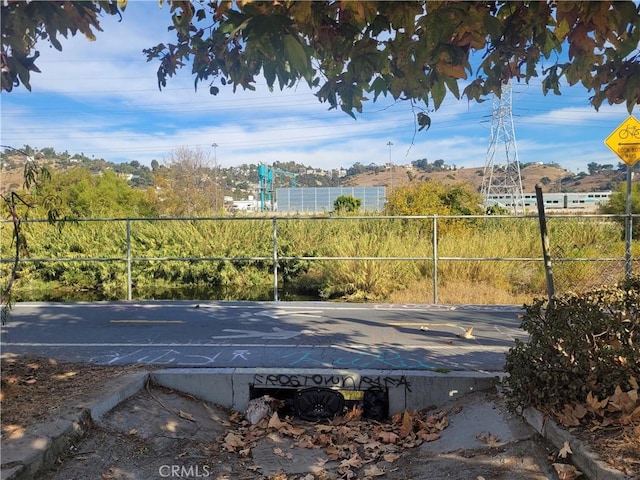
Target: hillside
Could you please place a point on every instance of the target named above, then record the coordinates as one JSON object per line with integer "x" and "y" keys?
{"x": 240, "y": 182}
{"x": 552, "y": 178}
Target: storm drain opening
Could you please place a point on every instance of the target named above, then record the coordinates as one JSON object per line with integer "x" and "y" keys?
{"x": 318, "y": 404}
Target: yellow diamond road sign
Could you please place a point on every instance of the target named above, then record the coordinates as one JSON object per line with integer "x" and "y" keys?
{"x": 625, "y": 141}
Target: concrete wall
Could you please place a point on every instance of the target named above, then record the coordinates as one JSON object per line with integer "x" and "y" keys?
{"x": 408, "y": 390}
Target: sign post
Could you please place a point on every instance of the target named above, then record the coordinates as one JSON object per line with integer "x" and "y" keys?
{"x": 625, "y": 142}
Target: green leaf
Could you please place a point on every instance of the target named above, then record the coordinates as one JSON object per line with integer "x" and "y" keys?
{"x": 438, "y": 92}
{"x": 23, "y": 74}
{"x": 54, "y": 41}
{"x": 297, "y": 57}
{"x": 551, "y": 81}
{"x": 269, "y": 69}
{"x": 452, "y": 84}
{"x": 493, "y": 26}
{"x": 378, "y": 86}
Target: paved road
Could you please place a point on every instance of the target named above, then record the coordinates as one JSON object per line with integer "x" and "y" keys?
{"x": 266, "y": 334}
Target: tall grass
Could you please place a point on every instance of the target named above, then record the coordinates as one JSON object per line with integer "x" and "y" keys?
{"x": 214, "y": 243}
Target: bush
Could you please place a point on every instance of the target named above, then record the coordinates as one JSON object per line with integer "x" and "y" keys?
{"x": 617, "y": 205}
{"x": 347, "y": 204}
{"x": 579, "y": 344}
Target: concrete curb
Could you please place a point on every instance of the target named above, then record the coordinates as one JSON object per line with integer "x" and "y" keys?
{"x": 585, "y": 459}
{"x": 38, "y": 450}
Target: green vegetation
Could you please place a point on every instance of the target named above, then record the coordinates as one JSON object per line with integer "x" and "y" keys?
{"x": 427, "y": 198}
{"x": 80, "y": 194}
{"x": 215, "y": 242}
{"x": 346, "y": 204}
{"x": 17, "y": 205}
{"x": 346, "y": 51}
{"x": 582, "y": 348}
{"x": 618, "y": 205}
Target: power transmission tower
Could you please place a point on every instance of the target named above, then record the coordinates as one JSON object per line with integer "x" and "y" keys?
{"x": 502, "y": 182}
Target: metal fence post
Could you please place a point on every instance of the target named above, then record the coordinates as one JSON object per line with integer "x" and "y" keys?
{"x": 545, "y": 243}
{"x": 628, "y": 230}
{"x": 275, "y": 260}
{"x": 129, "y": 295}
{"x": 435, "y": 258}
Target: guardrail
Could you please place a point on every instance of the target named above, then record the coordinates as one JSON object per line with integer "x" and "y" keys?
{"x": 561, "y": 253}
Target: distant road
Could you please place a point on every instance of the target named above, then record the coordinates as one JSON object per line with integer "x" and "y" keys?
{"x": 257, "y": 334}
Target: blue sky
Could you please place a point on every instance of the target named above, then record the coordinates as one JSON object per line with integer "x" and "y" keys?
{"x": 101, "y": 99}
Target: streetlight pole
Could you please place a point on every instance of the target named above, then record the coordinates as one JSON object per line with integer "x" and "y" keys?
{"x": 215, "y": 156}
{"x": 215, "y": 170}
{"x": 389, "y": 144}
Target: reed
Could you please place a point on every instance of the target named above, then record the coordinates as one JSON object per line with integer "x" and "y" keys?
{"x": 473, "y": 265}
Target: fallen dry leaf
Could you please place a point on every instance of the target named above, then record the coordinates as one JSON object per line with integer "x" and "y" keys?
{"x": 571, "y": 415}
{"x": 352, "y": 462}
{"x": 388, "y": 437}
{"x": 390, "y": 457}
{"x": 565, "y": 450}
{"x": 490, "y": 439}
{"x": 595, "y": 406}
{"x": 429, "y": 437}
{"x": 233, "y": 441}
{"x": 407, "y": 425}
{"x": 275, "y": 422}
{"x": 468, "y": 334}
{"x": 566, "y": 472}
{"x": 624, "y": 402}
{"x": 373, "y": 471}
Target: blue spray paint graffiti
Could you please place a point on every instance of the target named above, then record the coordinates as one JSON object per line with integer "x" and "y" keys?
{"x": 382, "y": 359}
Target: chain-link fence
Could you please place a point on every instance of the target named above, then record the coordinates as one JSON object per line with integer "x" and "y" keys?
{"x": 587, "y": 252}
{"x": 419, "y": 259}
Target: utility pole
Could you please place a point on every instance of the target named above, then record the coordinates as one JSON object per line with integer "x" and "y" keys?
{"x": 215, "y": 155}
{"x": 216, "y": 176}
{"x": 389, "y": 144}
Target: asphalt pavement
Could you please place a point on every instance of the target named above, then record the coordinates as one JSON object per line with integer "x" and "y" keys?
{"x": 267, "y": 334}
{"x": 481, "y": 441}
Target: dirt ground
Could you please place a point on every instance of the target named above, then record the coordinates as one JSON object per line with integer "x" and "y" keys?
{"x": 36, "y": 389}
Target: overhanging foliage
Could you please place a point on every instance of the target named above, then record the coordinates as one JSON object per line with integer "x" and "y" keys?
{"x": 347, "y": 51}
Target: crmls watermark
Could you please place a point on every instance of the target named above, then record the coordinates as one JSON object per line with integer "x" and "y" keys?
{"x": 184, "y": 471}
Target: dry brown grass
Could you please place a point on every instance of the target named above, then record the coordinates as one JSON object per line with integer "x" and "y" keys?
{"x": 459, "y": 293}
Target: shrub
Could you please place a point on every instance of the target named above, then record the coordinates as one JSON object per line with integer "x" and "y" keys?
{"x": 347, "y": 204}
{"x": 579, "y": 344}
{"x": 617, "y": 205}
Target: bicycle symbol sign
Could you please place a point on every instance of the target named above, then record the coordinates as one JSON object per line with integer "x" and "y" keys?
{"x": 625, "y": 141}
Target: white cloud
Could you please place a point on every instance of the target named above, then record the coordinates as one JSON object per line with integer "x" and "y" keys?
{"x": 101, "y": 98}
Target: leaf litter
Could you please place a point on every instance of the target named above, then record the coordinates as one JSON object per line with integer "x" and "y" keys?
{"x": 358, "y": 445}
{"x": 611, "y": 425}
